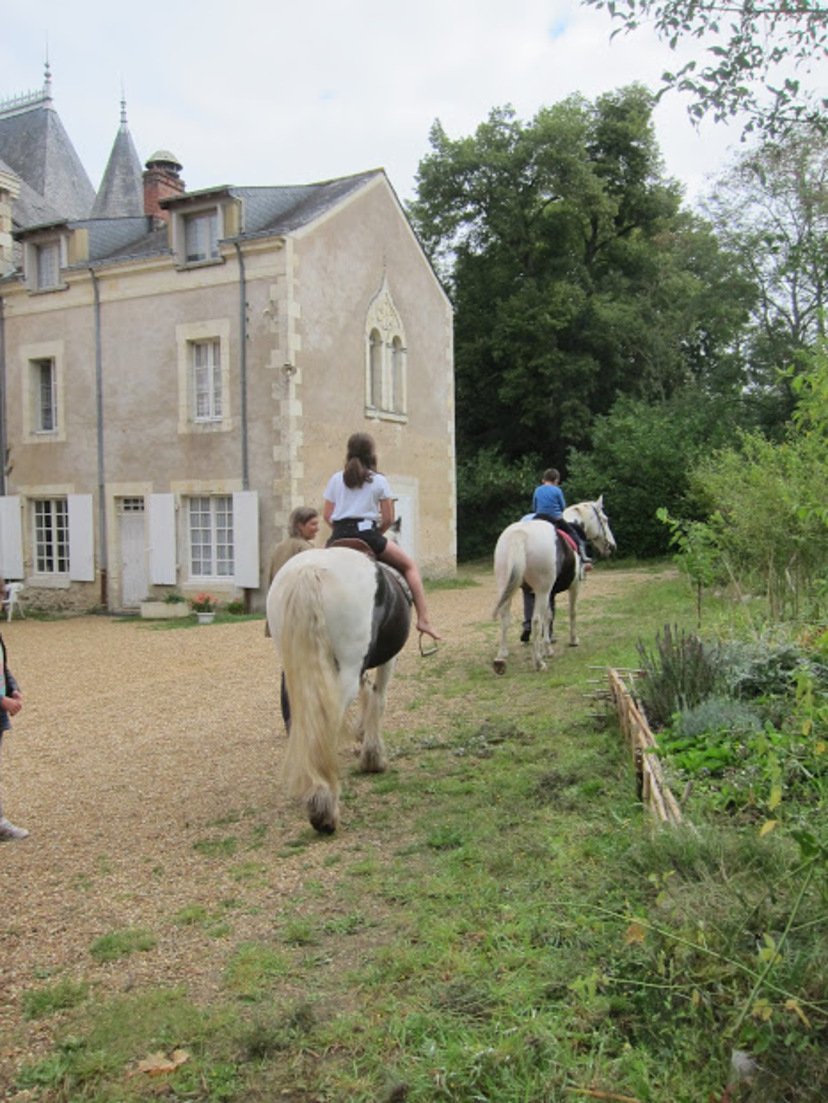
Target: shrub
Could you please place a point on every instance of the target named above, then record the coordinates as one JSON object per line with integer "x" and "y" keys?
{"x": 679, "y": 674}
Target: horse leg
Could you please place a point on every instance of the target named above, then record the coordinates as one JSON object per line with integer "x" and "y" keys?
{"x": 573, "y": 597}
{"x": 541, "y": 646}
{"x": 503, "y": 651}
{"x": 372, "y": 755}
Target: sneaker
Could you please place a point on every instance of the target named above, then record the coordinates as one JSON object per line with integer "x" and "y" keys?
{"x": 9, "y": 831}
{"x": 588, "y": 564}
{"x": 526, "y": 635}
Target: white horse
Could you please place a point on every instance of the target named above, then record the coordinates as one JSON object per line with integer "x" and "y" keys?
{"x": 547, "y": 563}
{"x": 334, "y": 614}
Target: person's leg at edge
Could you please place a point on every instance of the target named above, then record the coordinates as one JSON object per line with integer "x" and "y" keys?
{"x": 394, "y": 555}
{"x": 9, "y": 830}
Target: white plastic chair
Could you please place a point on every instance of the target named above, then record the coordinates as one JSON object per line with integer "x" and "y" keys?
{"x": 12, "y": 599}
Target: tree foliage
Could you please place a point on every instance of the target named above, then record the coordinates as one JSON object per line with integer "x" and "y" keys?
{"x": 770, "y": 209}
{"x": 756, "y": 52}
{"x": 765, "y": 504}
{"x": 574, "y": 273}
{"x": 641, "y": 458}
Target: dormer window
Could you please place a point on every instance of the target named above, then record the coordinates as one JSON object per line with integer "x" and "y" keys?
{"x": 43, "y": 258}
{"x": 201, "y": 236}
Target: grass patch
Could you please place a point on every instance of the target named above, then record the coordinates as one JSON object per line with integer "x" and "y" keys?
{"x": 53, "y": 998}
{"x": 118, "y": 944}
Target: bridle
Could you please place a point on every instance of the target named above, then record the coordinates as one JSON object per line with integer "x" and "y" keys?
{"x": 599, "y": 517}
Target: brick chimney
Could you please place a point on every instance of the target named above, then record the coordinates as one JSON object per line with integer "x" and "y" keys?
{"x": 161, "y": 179}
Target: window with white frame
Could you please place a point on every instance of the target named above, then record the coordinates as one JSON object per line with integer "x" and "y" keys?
{"x": 204, "y": 362}
{"x": 44, "y": 395}
{"x": 386, "y": 359}
{"x": 207, "y": 380}
{"x": 211, "y": 536}
{"x": 201, "y": 234}
{"x": 51, "y": 536}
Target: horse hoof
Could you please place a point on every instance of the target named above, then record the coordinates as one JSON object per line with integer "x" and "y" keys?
{"x": 371, "y": 763}
{"x": 499, "y": 666}
{"x": 573, "y": 644}
{"x": 323, "y": 824}
{"x": 323, "y": 818}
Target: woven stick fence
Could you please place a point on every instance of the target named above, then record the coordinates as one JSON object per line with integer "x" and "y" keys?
{"x": 652, "y": 788}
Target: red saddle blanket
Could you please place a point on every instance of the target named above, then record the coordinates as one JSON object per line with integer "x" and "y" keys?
{"x": 568, "y": 539}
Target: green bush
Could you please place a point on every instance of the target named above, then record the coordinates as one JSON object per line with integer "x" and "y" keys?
{"x": 678, "y": 674}
{"x": 491, "y": 494}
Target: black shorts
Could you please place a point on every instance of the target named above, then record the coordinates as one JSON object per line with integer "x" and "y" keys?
{"x": 349, "y": 529}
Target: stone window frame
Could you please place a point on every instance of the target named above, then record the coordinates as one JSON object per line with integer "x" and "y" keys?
{"x": 386, "y": 359}
{"x": 187, "y": 336}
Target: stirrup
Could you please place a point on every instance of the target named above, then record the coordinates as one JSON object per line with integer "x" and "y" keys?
{"x": 432, "y": 649}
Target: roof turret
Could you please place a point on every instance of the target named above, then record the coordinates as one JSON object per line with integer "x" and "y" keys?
{"x": 121, "y": 193}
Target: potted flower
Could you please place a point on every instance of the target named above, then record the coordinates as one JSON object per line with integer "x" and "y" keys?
{"x": 204, "y": 606}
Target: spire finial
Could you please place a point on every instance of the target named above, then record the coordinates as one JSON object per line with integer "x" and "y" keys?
{"x": 123, "y": 107}
{"x": 47, "y": 76}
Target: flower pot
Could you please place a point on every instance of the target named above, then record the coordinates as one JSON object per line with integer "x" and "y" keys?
{"x": 205, "y": 618}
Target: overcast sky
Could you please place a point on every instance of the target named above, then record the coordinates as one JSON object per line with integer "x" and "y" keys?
{"x": 254, "y": 92}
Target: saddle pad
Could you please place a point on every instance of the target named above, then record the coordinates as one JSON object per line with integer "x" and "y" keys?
{"x": 568, "y": 539}
{"x": 352, "y": 542}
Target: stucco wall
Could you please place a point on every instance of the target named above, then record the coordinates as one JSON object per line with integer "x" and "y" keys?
{"x": 305, "y": 299}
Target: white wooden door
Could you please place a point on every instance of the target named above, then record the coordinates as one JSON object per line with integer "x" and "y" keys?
{"x": 133, "y": 533}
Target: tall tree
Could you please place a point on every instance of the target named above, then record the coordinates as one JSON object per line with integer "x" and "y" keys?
{"x": 771, "y": 210}
{"x": 574, "y": 273}
{"x": 757, "y": 52}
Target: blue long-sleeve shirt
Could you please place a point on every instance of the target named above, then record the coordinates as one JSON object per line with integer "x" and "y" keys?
{"x": 549, "y": 498}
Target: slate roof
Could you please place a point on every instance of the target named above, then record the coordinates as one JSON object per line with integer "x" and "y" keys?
{"x": 268, "y": 212}
{"x": 282, "y": 210}
{"x": 121, "y": 193}
{"x": 30, "y": 209}
{"x": 35, "y": 146}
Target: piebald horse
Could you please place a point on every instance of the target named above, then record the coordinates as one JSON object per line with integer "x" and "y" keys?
{"x": 535, "y": 554}
{"x": 334, "y": 614}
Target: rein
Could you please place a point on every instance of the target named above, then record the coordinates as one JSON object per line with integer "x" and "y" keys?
{"x": 600, "y": 521}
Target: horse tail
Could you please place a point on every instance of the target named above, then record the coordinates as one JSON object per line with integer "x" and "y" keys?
{"x": 311, "y": 765}
{"x": 511, "y": 566}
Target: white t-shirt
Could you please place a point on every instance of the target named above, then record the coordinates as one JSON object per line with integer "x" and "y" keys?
{"x": 362, "y": 502}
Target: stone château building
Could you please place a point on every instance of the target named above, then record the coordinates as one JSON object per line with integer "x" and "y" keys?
{"x": 179, "y": 370}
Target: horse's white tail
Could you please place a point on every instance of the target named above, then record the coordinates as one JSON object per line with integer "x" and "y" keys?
{"x": 311, "y": 769}
{"x": 512, "y": 568}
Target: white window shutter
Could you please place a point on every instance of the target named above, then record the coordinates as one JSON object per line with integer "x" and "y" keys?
{"x": 81, "y": 538}
{"x": 11, "y": 538}
{"x": 246, "y": 539}
{"x": 162, "y": 539}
